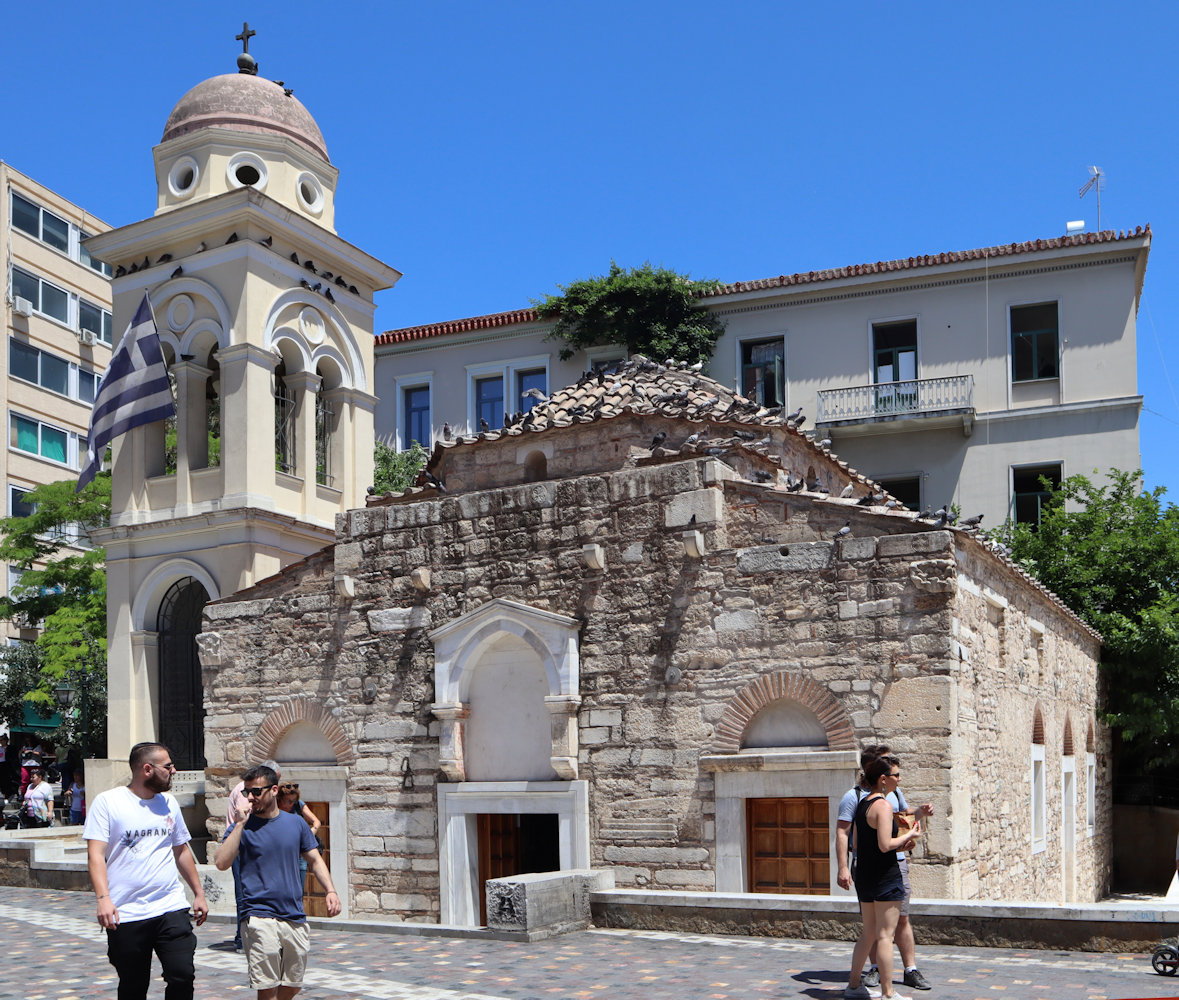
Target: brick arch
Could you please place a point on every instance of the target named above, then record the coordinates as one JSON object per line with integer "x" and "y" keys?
{"x": 1066, "y": 742}
{"x": 288, "y": 714}
{"x": 1090, "y": 742}
{"x": 755, "y": 696}
{"x": 1038, "y": 725}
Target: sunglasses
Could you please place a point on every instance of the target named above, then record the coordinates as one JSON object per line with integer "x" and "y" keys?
{"x": 289, "y": 786}
{"x": 254, "y": 792}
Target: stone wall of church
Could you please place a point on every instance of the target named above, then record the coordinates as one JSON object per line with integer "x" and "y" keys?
{"x": 1020, "y": 653}
{"x": 670, "y": 643}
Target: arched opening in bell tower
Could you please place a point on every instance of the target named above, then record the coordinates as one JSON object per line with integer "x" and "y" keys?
{"x": 181, "y": 695}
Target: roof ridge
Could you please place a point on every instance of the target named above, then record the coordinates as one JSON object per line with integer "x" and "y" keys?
{"x": 492, "y": 321}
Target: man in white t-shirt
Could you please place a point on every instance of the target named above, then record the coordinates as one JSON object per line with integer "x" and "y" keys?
{"x": 137, "y": 844}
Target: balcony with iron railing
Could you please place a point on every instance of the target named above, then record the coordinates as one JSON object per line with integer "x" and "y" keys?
{"x": 920, "y": 403}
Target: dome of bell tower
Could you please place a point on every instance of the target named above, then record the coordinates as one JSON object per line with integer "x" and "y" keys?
{"x": 245, "y": 102}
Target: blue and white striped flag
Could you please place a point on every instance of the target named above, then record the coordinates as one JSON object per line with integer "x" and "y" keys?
{"x": 134, "y": 390}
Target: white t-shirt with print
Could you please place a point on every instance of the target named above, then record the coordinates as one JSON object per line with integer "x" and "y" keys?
{"x": 139, "y": 835}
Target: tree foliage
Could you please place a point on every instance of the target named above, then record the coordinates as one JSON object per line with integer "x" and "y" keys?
{"x": 394, "y": 471}
{"x": 652, "y": 311}
{"x": 1111, "y": 552}
{"x": 62, "y": 592}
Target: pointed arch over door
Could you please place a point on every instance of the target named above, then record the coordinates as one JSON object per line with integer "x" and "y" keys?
{"x": 182, "y": 703}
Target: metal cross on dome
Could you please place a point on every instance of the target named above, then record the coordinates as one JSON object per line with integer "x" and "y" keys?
{"x": 245, "y": 36}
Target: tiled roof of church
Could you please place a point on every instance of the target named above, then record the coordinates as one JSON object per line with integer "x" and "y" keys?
{"x": 493, "y": 321}
{"x": 727, "y": 421}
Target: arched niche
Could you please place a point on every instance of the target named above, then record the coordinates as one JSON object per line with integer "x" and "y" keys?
{"x": 785, "y": 724}
{"x": 474, "y": 652}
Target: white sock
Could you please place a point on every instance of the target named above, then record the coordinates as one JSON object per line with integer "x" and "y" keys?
{"x": 910, "y": 968}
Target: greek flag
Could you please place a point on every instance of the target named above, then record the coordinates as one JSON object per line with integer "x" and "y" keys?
{"x": 134, "y": 390}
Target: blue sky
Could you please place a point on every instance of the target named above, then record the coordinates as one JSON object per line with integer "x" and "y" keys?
{"x": 491, "y": 151}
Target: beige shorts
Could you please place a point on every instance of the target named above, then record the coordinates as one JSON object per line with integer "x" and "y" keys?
{"x": 276, "y": 951}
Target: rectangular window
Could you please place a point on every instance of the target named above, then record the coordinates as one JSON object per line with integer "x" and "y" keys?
{"x": 18, "y": 502}
{"x": 40, "y": 223}
{"x": 894, "y": 364}
{"x": 1029, "y": 493}
{"x": 763, "y": 371}
{"x": 36, "y": 438}
{"x": 1039, "y": 837}
{"x": 489, "y": 402}
{"x": 46, "y": 298}
{"x": 526, "y": 380}
{"x": 92, "y": 262}
{"x": 87, "y": 385}
{"x": 417, "y": 416}
{"x": 907, "y": 490}
{"x": 1090, "y": 793}
{"x": 1035, "y": 332}
{"x": 26, "y": 216}
{"x": 95, "y": 319}
{"x": 39, "y": 367}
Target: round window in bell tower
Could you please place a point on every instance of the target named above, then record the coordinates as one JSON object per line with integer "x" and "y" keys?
{"x": 310, "y": 193}
{"x": 246, "y": 170}
{"x": 183, "y": 177}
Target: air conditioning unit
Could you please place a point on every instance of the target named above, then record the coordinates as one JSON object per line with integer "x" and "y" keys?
{"x": 22, "y": 307}
{"x": 87, "y": 337}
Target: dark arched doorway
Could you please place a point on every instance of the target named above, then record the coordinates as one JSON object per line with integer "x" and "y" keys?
{"x": 182, "y": 703}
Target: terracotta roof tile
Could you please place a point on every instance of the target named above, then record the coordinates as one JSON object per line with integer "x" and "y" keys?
{"x": 929, "y": 260}
{"x": 494, "y": 321}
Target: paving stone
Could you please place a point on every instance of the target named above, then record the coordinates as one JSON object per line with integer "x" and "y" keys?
{"x": 54, "y": 949}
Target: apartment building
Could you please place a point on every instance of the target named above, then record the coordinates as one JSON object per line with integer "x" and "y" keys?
{"x": 963, "y": 377}
{"x": 57, "y": 315}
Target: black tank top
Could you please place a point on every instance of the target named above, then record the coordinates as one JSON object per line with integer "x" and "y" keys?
{"x": 872, "y": 864}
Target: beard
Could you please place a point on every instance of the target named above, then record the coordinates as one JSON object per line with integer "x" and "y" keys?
{"x": 157, "y": 784}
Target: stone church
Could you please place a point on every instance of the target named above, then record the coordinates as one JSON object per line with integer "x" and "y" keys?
{"x": 645, "y": 630}
{"x": 640, "y": 629}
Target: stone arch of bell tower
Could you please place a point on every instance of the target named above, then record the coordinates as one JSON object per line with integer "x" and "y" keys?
{"x": 291, "y": 713}
{"x": 783, "y": 686}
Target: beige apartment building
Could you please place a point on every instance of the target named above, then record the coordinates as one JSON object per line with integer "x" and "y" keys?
{"x": 959, "y": 377}
{"x": 57, "y": 316}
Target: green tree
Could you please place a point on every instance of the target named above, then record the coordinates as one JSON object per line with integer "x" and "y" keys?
{"x": 394, "y": 471}
{"x": 653, "y": 311}
{"x": 61, "y": 592}
{"x": 1111, "y": 552}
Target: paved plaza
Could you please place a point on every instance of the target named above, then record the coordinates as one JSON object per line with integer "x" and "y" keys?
{"x": 54, "y": 950}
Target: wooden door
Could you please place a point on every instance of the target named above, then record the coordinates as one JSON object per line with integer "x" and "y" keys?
{"x": 499, "y": 852}
{"x": 314, "y": 898}
{"x": 787, "y": 845}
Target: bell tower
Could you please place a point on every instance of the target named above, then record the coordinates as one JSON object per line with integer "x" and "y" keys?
{"x": 266, "y": 319}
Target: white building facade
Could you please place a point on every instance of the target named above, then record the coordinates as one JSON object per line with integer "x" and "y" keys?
{"x": 961, "y": 378}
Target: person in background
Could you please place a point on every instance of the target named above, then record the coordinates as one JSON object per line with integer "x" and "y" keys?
{"x": 7, "y": 755}
{"x": 30, "y": 757}
{"x": 74, "y": 799}
{"x": 289, "y": 801}
{"x": 38, "y": 800}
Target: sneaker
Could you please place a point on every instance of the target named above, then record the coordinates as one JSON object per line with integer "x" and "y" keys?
{"x": 860, "y": 992}
{"x": 896, "y": 996}
{"x": 871, "y": 978}
{"x": 917, "y": 981}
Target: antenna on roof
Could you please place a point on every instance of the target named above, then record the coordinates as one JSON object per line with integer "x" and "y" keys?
{"x": 1096, "y": 181}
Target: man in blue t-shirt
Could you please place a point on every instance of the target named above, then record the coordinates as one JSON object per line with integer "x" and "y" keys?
{"x": 274, "y": 927}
